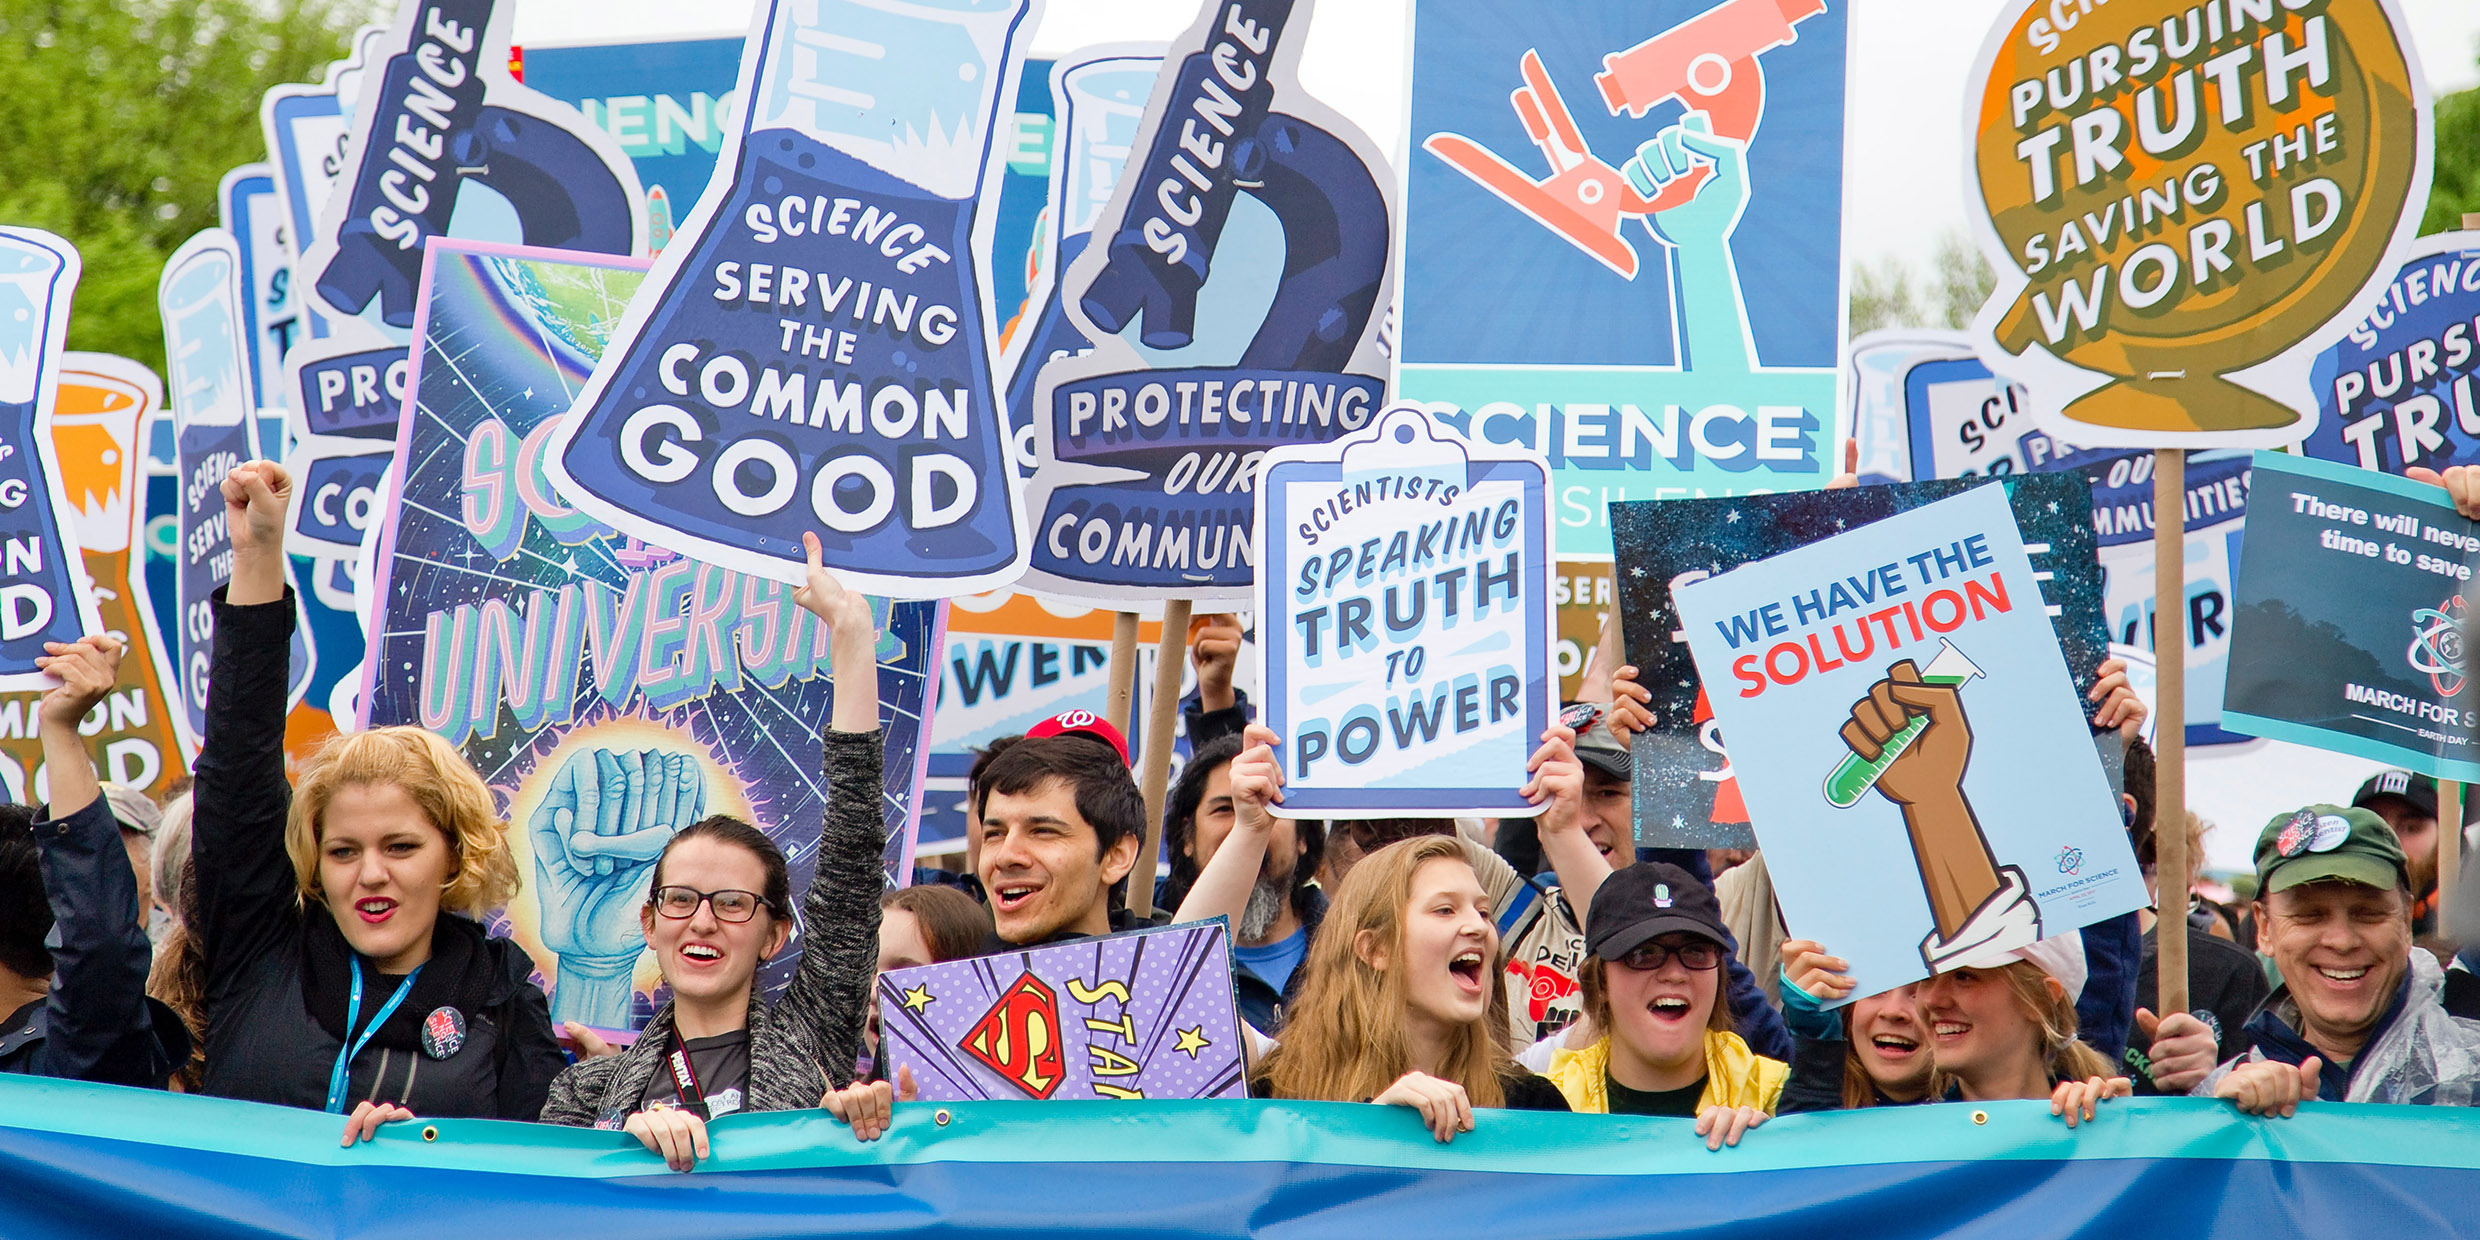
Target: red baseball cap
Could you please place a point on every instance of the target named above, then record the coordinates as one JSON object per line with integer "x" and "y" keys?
{"x": 1084, "y": 721}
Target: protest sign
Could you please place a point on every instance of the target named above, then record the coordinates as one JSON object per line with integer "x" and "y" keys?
{"x": 1629, "y": 359}
{"x": 555, "y": 652}
{"x": 308, "y": 128}
{"x": 160, "y": 547}
{"x": 1581, "y": 592}
{"x": 2177, "y": 209}
{"x": 207, "y": 351}
{"x": 1146, "y": 1014}
{"x": 865, "y": 367}
{"x": 1685, "y": 791}
{"x": 137, "y": 733}
{"x": 1925, "y": 786}
{"x": 2396, "y": 391}
{"x": 2348, "y": 629}
{"x": 253, "y": 212}
{"x": 667, "y": 104}
{"x": 1100, "y": 95}
{"x": 1232, "y": 290}
{"x": 44, "y": 596}
{"x": 1404, "y": 621}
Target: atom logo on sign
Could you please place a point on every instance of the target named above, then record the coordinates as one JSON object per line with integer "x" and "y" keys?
{"x": 2437, "y": 645}
{"x": 2070, "y": 859}
{"x": 1019, "y": 1037}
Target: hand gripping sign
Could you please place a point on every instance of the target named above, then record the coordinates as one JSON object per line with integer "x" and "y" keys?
{"x": 44, "y": 595}
{"x": 2182, "y": 199}
{"x": 1232, "y": 292}
{"x": 814, "y": 348}
{"x": 1404, "y": 621}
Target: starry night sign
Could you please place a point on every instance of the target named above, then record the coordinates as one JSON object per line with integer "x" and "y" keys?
{"x": 609, "y": 691}
{"x": 1685, "y": 796}
{"x": 1146, "y": 1014}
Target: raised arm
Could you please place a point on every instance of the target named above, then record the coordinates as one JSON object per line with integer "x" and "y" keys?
{"x": 1558, "y": 787}
{"x": 98, "y": 1025}
{"x": 830, "y": 993}
{"x": 245, "y": 882}
{"x": 1224, "y": 882}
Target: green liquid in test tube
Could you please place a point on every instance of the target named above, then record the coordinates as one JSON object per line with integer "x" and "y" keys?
{"x": 1853, "y": 777}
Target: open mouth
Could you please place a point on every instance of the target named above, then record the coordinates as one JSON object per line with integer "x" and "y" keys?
{"x": 700, "y": 953}
{"x": 375, "y": 909}
{"x": 1468, "y": 967}
{"x": 1014, "y": 897}
{"x": 2343, "y": 976}
{"x": 1668, "y": 1008}
{"x": 1949, "y": 1030}
{"x": 1894, "y": 1046}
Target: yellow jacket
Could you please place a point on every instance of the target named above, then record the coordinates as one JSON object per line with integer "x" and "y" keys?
{"x": 1735, "y": 1076}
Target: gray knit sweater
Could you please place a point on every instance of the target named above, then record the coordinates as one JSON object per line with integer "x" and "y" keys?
{"x": 807, "y": 1043}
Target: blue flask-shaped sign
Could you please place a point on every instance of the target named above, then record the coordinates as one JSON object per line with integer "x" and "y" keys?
{"x": 812, "y": 352}
{"x": 43, "y": 596}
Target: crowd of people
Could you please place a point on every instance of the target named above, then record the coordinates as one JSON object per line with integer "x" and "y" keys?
{"x": 319, "y": 942}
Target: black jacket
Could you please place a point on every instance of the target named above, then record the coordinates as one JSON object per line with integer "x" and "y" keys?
{"x": 808, "y": 1042}
{"x": 265, "y": 1043}
{"x": 2225, "y": 983}
{"x": 97, "y": 1023}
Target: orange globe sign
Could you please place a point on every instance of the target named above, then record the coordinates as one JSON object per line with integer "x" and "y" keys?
{"x": 2183, "y": 200}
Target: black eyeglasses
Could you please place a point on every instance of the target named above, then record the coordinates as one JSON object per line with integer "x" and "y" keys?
{"x": 681, "y": 903}
{"x": 1696, "y": 954}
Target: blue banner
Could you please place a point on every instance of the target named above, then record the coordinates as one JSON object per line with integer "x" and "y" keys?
{"x": 78, "y": 1161}
{"x": 2397, "y": 390}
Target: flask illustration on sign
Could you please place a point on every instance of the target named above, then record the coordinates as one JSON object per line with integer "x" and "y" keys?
{"x": 1911, "y": 741}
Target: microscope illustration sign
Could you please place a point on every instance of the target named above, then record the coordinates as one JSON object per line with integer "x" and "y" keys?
{"x": 1697, "y": 171}
{"x": 1232, "y": 289}
{"x": 1926, "y": 789}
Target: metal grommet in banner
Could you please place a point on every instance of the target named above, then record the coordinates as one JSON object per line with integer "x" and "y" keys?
{"x": 942, "y": 1117}
{"x": 1980, "y": 1117}
{"x": 430, "y": 1132}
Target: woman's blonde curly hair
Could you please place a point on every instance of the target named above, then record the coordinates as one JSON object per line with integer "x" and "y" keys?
{"x": 442, "y": 784}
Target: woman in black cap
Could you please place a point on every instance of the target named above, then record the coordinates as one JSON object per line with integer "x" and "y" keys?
{"x": 1652, "y": 987}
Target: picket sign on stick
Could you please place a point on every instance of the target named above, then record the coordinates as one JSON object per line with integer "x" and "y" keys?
{"x": 1123, "y": 684}
{"x": 2170, "y": 717}
{"x": 1154, "y": 764}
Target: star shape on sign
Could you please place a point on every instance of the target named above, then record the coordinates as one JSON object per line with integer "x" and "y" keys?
{"x": 917, "y": 998}
{"x": 529, "y": 393}
{"x": 1192, "y": 1041}
{"x": 1678, "y": 822}
{"x": 2053, "y": 508}
{"x": 1732, "y": 516}
{"x": 1637, "y": 571}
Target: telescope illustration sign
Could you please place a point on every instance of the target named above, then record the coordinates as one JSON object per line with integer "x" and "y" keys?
{"x": 1652, "y": 163}
{"x": 1906, "y": 673}
{"x": 2183, "y": 201}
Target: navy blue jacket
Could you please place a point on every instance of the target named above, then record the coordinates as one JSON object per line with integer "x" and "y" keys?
{"x": 97, "y": 1024}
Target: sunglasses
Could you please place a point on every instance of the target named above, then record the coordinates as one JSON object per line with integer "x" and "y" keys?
{"x": 1697, "y": 954}
{"x": 681, "y": 903}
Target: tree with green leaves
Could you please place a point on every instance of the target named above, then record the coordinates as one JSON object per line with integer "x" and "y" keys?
{"x": 122, "y": 118}
{"x": 2456, "y": 191}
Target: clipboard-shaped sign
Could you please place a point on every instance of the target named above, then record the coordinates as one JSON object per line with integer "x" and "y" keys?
{"x": 1404, "y": 620}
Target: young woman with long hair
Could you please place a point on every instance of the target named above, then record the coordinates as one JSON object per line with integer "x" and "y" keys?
{"x": 345, "y": 967}
{"x": 2006, "y": 1029}
{"x": 719, "y": 906}
{"x": 1396, "y": 1008}
{"x": 1872, "y": 1053}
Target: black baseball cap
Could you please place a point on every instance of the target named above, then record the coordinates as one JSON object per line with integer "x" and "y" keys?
{"x": 1646, "y": 901}
{"x": 2418, "y": 790}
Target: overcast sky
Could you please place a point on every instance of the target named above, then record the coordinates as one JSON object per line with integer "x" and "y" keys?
{"x": 1909, "y": 59}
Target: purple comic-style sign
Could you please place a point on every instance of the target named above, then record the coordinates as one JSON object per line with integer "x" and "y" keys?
{"x": 1147, "y": 1014}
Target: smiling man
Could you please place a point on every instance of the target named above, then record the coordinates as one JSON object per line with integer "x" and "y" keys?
{"x": 1061, "y": 825}
{"x": 2359, "y": 1016}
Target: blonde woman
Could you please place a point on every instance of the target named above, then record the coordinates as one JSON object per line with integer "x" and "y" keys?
{"x": 1396, "y": 1008}
{"x": 345, "y": 969}
{"x": 2006, "y": 1029}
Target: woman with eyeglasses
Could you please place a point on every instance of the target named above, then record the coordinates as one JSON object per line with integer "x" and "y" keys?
{"x": 1652, "y": 983}
{"x": 720, "y": 906}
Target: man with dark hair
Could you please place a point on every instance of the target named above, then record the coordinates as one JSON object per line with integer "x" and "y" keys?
{"x": 2407, "y": 801}
{"x": 1284, "y": 909}
{"x": 1061, "y": 823}
{"x": 2358, "y": 1017}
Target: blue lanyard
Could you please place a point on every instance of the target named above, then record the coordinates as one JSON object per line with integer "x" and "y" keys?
{"x": 353, "y": 1046}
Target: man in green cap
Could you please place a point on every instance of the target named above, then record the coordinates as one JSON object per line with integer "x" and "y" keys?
{"x": 2358, "y": 1017}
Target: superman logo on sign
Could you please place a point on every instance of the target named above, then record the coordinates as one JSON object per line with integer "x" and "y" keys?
{"x": 1019, "y": 1037}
